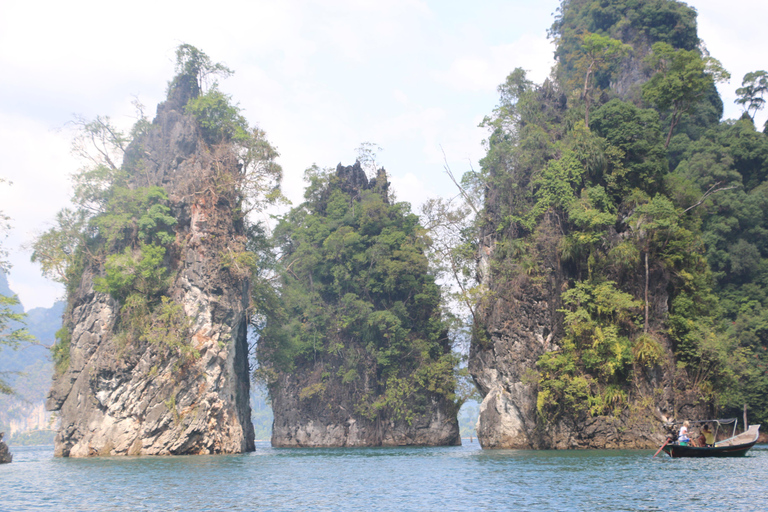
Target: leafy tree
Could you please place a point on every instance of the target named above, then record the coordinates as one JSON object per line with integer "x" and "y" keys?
{"x": 12, "y": 331}
{"x": 638, "y": 23}
{"x": 750, "y": 94}
{"x": 452, "y": 248}
{"x": 194, "y": 69}
{"x": 636, "y": 134}
{"x": 681, "y": 80}
{"x": 596, "y": 353}
{"x": 56, "y": 248}
{"x": 658, "y": 224}
{"x": 735, "y": 229}
{"x": 452, "y": 227}
{"x": 598, "y": 54}
{"x": 518, "y": 145}
{"x": 221, "y": 122}
{"x": 366, "y": 155}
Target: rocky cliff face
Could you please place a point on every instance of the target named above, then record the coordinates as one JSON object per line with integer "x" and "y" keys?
{"x": 526, "y": 270}
{"x": 135, "y": 397}
{"x": 521, "y": 325}
{"x": 523, "y": 321}
{"x": 332, "y": 422}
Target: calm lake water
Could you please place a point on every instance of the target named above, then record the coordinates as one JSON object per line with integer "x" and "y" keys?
{"x": 458, "y": 478}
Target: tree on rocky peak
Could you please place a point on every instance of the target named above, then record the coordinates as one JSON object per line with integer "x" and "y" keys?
{"x": 222, "y": 123}
{"x": 598, "y": 54}
{"x": 750, "y": 94}
{"x": 194, "y": 70}
{"x": 680, "y": 82}
{"x": 357, "y": 300}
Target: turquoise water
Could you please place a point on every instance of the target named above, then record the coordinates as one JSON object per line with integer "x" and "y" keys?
{"x": 456, "y": 478}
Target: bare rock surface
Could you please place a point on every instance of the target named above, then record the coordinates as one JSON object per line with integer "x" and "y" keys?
{"x": 145, "y": 398}
{"x": 5, "y": 455}
{"x": 301, "y": 423}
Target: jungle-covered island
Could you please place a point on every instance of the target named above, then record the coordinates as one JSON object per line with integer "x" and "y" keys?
{"x": 602, "y": 272}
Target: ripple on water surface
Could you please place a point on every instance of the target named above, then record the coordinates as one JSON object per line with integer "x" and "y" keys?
{"x": 451, "y": 478}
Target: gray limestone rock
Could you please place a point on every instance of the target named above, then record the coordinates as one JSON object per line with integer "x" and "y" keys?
{"x": 6, "y": 456}
{"x": 332, "y": 422}
{"x": 521, "y": 319}
{"x": 523, "y": 322}
{"x": 146, "y": 398}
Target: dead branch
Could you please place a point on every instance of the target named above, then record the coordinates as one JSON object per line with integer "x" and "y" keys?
{"x": 464, "y": 193}
{"x": 712, "y": 190}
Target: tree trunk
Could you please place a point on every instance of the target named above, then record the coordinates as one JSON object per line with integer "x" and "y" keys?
{"x": 675, "y": 119}
{"x": 645, "y": 327}
{"x": 746, "y": 425}
{"x": 586, "y": 94}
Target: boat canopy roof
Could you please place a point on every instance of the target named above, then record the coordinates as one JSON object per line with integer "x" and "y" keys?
{"x": 726, "y": 421}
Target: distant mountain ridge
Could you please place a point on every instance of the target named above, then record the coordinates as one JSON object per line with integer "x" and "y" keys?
{"x": 24, "y": 411}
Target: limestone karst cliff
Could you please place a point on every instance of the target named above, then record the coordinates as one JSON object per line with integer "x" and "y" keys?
{"x": 153, "y": 357}
{"x": 355, "y": 352}
{"x": 598, "y": 315}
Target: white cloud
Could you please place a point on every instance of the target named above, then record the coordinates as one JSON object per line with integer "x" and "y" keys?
{"x": 484, "y": 70}
{"x": 733, "y": 34}
{"x": 35, "y": 158}
{"x": 400, "y": 96}
{"x": 412, "y": 189}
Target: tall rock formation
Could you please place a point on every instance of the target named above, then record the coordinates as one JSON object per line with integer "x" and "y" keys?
{"x": 356, "y": 354}
{"x": 557, "y": 367}
{"x": 173, "y": 379}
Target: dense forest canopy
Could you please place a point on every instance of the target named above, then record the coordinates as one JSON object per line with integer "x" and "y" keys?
{"x": 357, "y": 298}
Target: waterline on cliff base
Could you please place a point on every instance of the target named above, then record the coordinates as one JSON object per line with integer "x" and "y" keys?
{"x": 446, "y": 478}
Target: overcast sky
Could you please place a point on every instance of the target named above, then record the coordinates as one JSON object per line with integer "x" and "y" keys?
{"x": 320, "y": 77}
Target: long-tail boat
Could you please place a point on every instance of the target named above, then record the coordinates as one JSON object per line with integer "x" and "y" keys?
{"x": 734, "y": 446}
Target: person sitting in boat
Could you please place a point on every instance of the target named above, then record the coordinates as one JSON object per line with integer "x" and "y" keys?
{"x": 707, "y": 438}
{"x": 682, "y": 437}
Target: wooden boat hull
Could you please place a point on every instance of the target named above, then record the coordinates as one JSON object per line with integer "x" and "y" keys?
{"x": 676, "y": 450}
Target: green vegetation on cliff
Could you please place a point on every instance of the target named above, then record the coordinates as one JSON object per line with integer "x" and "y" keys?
{"x": 357, "y": 297}
{"x": 618, "y": 181}
{"x": 123, "y": 228}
